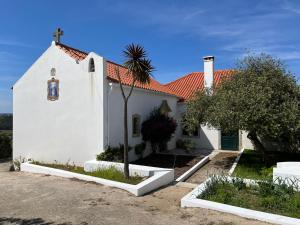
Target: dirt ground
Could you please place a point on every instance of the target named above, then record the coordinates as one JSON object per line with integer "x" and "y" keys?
{"x": 38, "y": 199}
{"x": 180, "y": 163}
{"x": 221, "y": 163}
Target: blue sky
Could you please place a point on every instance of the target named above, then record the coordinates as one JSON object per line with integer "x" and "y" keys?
{"x": 177, "y": 34}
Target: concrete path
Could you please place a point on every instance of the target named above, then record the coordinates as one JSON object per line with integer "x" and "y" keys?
{"x": 38, "y": 199}
{"x": 220, "y": 163}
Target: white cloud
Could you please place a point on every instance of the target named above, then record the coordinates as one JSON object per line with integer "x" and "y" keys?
{"x": 11, "y": 42}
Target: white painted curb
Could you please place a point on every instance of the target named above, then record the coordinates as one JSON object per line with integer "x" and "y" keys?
{"x": 158, "y": 177}
{"x": 235, "y": 162}
{"x": 192, "y": 170}
{"x": 191, "y": 200}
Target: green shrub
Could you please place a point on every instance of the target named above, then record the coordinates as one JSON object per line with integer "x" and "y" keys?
{"x": 5, "y": 145}
{"x": 158, "y": 129}
{"x": 185, "y": 144}
{"x": 6, "y": 121}
{"x": 139, "y": 149}
{"x": 113, "y": 154}
{"x": 267, "y": 196}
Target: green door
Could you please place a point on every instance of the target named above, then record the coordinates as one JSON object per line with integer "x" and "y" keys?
{"x": 230, "y": 140}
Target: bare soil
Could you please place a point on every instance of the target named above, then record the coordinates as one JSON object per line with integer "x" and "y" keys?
{"x": 180, "y": 163}
{"x": 220, "y": 164}
{"x": 38, "y": 199}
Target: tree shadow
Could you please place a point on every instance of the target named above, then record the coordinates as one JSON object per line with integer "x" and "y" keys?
{"x": 31, "y": 221}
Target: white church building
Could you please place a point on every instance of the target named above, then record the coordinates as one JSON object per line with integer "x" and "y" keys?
{"x": 68, "y": 107}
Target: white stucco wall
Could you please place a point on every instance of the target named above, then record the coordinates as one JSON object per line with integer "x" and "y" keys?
{"x": 246, "y": 143}
{"x": 209, "y": 138}
{"x": 69, "y": 129}
{"x": 141, "y": 102}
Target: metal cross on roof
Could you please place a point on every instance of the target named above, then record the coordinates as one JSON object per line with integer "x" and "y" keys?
{"x": 57, "y": 34}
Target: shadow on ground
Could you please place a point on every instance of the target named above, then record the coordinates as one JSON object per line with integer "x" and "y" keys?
{"x": 31, "y": 221}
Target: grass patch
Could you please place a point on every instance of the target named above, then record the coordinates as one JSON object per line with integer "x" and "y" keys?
{"x": 252, "y": 166}
{"x": 266, "y": 196}
{"x": 110, "y": 173}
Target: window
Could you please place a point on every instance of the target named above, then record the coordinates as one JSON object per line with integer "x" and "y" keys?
{"x": 53, "y": 89}
{"x": 195, "y": 133}
{"x": 136, "y": 125}
{"x": 91, "y": 65}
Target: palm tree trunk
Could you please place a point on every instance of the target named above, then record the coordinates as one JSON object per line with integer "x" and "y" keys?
{"x": 126, "y": 164}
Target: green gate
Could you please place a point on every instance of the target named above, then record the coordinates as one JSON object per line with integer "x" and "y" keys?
{"x": 230, "y": 140}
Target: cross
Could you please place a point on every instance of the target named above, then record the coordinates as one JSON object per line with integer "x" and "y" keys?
{"x": 57, "y": 34}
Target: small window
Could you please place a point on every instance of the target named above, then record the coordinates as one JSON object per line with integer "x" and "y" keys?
{"x": 136, "y": 125}
{"x": 91, "y": 65}
{"x": 195, "y": 133}
{"x": 53, "y": 89}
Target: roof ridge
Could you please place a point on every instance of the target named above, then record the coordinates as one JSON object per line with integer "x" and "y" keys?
{"x": 191, "y": 73}
{"x": 180, "y": 78}
{"x": 67, "y": 46}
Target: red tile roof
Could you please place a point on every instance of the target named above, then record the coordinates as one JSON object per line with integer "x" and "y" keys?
{"x": 183, "y": 87}
{"x": 187, "y": 85}
{"x": 126, "y": 80}
{"x": 111, "y": 73}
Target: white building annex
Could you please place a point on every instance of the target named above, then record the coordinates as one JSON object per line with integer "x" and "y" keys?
{"x": 68, "y": 107}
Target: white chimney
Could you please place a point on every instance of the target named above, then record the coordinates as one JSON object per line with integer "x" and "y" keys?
{"x": 208, "y": 71}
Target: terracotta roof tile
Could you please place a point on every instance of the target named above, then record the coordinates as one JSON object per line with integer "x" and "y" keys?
{"x": 111, "y": 73}
{"x": 187, "y": 85}
{"x": 127, "y": 79}
{"x": 183, "y": 87}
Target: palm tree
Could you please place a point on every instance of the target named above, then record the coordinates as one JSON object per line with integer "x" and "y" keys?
{"x": 140, "y": 68}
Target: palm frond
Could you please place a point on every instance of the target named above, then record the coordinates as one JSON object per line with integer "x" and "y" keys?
{"x": 137, "y": 63}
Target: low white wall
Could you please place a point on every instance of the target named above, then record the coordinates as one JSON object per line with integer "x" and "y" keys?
{"x": 288, "y": 172}
{"x": 158, "y": 177}
{"x": 191, "y": 200}
{"x": 236, "y": 161}
{"x": 192, "y": 170}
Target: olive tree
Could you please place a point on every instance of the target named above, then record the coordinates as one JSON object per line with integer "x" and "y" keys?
{"x": 262, "y": 98}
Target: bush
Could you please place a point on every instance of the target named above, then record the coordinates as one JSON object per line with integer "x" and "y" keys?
{"x": 139, "y": 149}
{"x": 6, "y": 121}
{"x": 186, "y": 144}
{"x": 158, "y": 129}
{"x": 5, "y": 145}
{"x": 268, "y": 196}
{"x": 113, "y": 154}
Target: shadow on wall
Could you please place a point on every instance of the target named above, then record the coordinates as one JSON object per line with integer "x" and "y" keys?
{"x": 207, "y": 139}
{"x": 31, "y": 221}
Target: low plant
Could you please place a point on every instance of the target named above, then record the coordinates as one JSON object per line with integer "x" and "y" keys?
{"x": 113, "y": 154}
{"x": 16, "y": 166}
{"x": 111, "y": 173}
{"x": 275, "y": 197}
{"x": 139, "y": 149}
{"x": 185, "y": 144}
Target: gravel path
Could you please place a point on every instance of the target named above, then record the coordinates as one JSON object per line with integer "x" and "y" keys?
{"x": 38, "y": 199}
{"x": 220, "y": 164}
